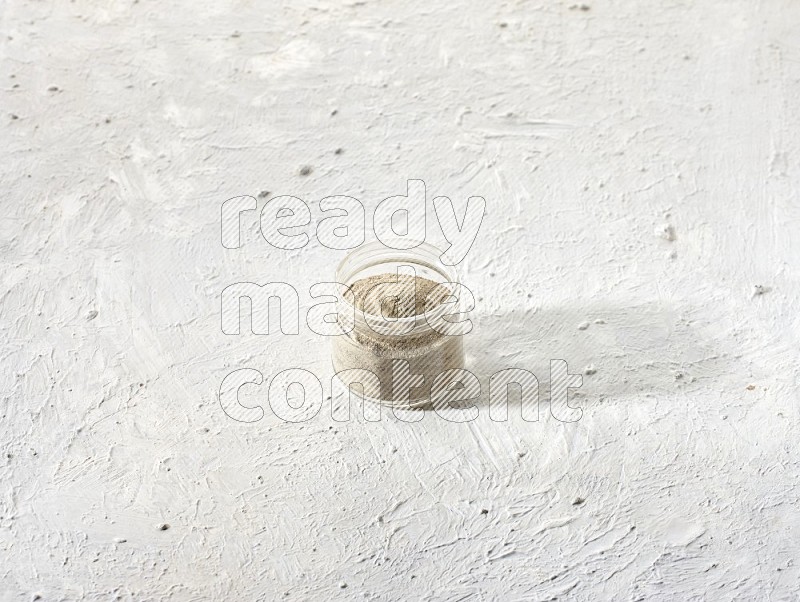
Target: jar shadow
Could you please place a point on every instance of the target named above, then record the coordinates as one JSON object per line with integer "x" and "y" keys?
{"x": 622, "y": 353}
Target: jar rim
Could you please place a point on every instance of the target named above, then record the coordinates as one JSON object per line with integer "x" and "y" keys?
{"x": 423, "y": 253}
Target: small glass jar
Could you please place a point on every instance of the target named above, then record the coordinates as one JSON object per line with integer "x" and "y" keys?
{"x": 374, "y": 342}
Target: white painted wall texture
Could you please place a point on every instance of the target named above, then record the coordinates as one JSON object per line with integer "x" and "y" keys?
{"x": 595, "y": 132}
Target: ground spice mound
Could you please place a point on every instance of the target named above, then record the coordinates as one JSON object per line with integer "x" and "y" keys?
{"x": 428, "y": 352}
{"x": 392, "y": 294}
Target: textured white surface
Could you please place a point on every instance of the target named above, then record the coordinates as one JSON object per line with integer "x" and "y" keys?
{"x": 594, "y": 135}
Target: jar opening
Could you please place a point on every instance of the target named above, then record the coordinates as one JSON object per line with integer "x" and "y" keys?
{"x": 413, "y": 284}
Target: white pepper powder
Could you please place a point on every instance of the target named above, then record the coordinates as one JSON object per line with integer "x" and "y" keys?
{"x": 427, "y": 351}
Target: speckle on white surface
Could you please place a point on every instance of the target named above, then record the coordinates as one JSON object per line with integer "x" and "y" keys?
{"x": 667, "y": 232}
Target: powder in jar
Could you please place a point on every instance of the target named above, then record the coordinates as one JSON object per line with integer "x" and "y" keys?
{"x": 395, "y": 300}
{"x": 428, "y": 352}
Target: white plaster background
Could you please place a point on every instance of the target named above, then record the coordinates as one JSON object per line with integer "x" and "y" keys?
{"x": 587, "y": 131}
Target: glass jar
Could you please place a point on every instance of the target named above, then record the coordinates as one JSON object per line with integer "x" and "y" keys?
{"x": 396, "y": 350}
